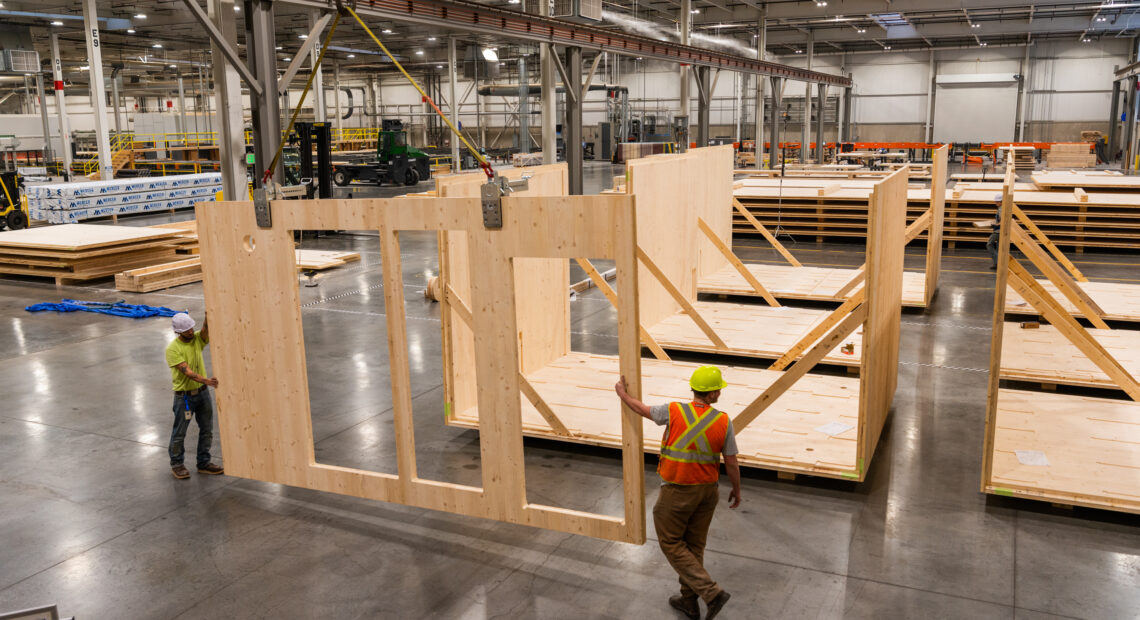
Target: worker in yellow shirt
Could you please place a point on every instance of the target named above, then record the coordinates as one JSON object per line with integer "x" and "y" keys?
{"x": 191, "y": 398}
{"x": 696, "y": 436}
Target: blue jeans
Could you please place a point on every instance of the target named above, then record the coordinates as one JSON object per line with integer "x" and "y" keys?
{"x": 201, "y": 409}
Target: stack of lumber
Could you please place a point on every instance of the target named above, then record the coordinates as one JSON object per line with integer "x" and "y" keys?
{"x": 187, "y": 237}
{"x": 526, "y": 159}
{"x": 814, "y": 209}
{"x": 79, "y": 252}
{"x": 1070, "y": 155}
{"x": 745, "y": 158}
{"x": 1023, "y": 158}
{"x": 177, "y": 273}
{"x": 68, "y": 203}
{"x": 636, "y": 150}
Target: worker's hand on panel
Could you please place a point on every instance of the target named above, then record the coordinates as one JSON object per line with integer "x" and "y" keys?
{"x": 621, "y": 387}
{"x": 212, "y": 382}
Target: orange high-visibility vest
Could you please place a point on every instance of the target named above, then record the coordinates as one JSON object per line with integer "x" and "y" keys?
{"x": 690, "y": 449}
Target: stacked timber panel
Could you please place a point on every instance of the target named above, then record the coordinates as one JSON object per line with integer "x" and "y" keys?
{"x": 79, "y": 252}
{"x": 835, "y": 211}
{"x": 1071, "y": 155}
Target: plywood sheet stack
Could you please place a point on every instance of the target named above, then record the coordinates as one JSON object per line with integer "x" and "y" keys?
{"x": 1023, "y": 158}
{"x": 80, "y": 252}
{"x": 68, "y": 203}
{"x": 187, "y": 271}
{"x": 1070, "y": 155}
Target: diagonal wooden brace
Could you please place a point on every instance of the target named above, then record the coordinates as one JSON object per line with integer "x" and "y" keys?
{"x": 1068, "y": 287}
{"x": 740, "y": 267}
{"x": 1044, "y": 240}
{"x": 800, "y": 368}
{"x": 608, "y": 291}
{"x": 680, "y": 299}
{"x": 819, "y": 330}
{"x": 1032, "y": 291}
{"x": 763, "y": 230}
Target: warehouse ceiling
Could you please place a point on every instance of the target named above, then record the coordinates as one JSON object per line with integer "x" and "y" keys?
{"x": 154, "y": 40}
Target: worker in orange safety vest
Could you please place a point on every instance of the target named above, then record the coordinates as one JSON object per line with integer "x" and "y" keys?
{"x": 696, "y": 435}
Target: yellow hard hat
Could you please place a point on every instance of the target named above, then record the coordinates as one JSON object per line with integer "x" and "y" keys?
{"x": 707, "y": 379}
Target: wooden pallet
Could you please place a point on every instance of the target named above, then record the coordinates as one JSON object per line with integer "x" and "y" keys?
{"x": 319, "y": 260}
{"x": 1119, "y": 300}
{"x": 804, "y": 283}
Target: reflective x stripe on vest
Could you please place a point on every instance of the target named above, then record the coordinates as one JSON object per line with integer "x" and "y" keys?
{"x": 695, "y": 433}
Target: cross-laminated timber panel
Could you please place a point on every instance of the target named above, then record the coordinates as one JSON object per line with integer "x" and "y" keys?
{"x": 1061, "y": 448}
{"x": 258, "y": 346}
{"x": 784, "y": 413}
{"x": 794, "y": 281}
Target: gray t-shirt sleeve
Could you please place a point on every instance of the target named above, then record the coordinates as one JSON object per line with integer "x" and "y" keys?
{"x": 659, "y": 414}
{"x": 729, "y": 448}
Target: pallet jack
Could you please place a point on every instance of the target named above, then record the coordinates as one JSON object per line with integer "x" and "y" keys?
{"x": 13, "y": 209}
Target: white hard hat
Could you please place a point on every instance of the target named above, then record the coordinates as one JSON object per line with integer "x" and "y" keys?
{"x": 182, "y": 322}
{"x": 998, "y": 197}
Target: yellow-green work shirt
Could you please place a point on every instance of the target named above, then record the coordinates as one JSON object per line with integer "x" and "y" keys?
{"x": 191, "y": 353}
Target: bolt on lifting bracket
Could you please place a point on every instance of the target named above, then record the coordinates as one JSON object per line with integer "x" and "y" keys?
{"x": 491, "y": 194}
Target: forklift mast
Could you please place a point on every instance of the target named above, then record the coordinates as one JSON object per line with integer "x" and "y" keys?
{"x": 319, "y": 134}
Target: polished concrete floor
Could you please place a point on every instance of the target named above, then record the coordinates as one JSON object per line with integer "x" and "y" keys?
{"x": 91, "y": 519}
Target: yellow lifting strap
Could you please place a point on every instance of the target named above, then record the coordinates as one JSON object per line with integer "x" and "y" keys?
{"x": 304, "y": 93}
{"x": 9, "y": 196}
{"x": 483, "y": 163}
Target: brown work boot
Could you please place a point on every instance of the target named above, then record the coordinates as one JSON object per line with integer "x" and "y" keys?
{"x": 715, "y": 604}
{"x": 687, "y": 605}
{"x": 180, "y": 472}
{"x": 211, "y": 470}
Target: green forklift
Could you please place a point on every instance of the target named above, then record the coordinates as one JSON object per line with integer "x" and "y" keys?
{"x": 396, "y": 162}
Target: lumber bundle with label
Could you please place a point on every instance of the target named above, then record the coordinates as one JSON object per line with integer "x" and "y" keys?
{"x": 68, "y": 203}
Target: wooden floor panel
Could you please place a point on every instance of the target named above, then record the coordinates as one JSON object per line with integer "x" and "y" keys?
{"x": 1091, "y": 445}
{"x": 1045, "y": 355}
{"x": 579, "y": 389}
{"x": 807, "y": 283}
{"x": 750, "y": 330}
{"x": 1120, "y": 301}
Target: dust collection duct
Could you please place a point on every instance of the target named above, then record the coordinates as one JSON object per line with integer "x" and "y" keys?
{"x": 480, "y": 62}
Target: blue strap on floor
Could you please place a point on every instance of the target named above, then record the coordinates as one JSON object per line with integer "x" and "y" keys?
{"x": 118, "y": 308}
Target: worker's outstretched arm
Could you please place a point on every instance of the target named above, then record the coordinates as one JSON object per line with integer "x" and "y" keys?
{"x": 732, "y": 466}
{"x": 636, "y": 405}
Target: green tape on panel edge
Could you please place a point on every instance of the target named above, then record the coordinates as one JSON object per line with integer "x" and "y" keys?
{"x": 446, "y": 411}
{"x": 1003, "y": 491}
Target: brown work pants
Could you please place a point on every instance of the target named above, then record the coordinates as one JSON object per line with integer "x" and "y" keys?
{"x": 682, "y": 517}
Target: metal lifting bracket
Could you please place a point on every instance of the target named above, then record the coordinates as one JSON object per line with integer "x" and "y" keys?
{"x": 491, "y": 194}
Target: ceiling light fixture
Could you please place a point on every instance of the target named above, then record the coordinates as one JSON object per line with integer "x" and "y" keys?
{"x": 1086, "y": 40}
{"x": 279, "y": 48}
{"x": 491, "y": 54}
{"x": 513, "y": 1}
{"x": 886, "y": 47}
{"x": 821, "y": 3}
{"x": 982, "y": 44}
{"x": 57, "y": 23}
{"x": 975, "y": 25}
{"x": 419, "y": 52}
{"x": 439, "y": 66}
{"x": 140, "y": 16}
{"x": 302, "y": 36}
{"x": 130, "y": 31}
{"x": 386, "y": 31}
{"x": 173, "y": 66}
{"x": 799, "y": 51}
{"x": 1102, "y": 19}
{"x": 431, "y": 38}
{"x": 351, "y": 56}
{"x": 861, "y": 30}
{"x": 287, "y": 58}
{"x": 157, "y": 45}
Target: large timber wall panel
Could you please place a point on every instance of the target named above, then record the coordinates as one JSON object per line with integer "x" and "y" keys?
{"x": 879, "y": 372}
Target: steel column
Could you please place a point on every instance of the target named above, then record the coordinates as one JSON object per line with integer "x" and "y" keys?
{"x": 336, "y": 102}
{"x": 266, "y": 108}
{"x": 227, "y": 92}
{"x": 931, "y": 74}
{"x": 704, "y": 99}
{"x": 319, "y": 79}
{"x": 819, "y": 142}
{"x": 805, "y": 126}
{"x": 115, "y": 103}
{"x": 1129, "y": 124}
{"x": 61, "y": 106}
{"x": 573, "y": 126}
{"x": 47, "y": 151}
{"x": 774, "y": 150}
{"x": 454, "y": 101}
{"x": 1113, "y": 121}
{"x": 761, "y": 46}
{"x": 524, "y": 107}
{"x": 181, "y": 105}
{"x": 1026, "y": 71}
{"x": 97, "y": 89}
{"x": 549, "y": 96}
{"x": 686, "y": 25}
